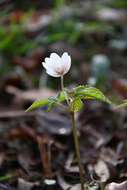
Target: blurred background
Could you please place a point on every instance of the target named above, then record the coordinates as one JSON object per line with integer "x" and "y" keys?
{"x": 94, "y": 33}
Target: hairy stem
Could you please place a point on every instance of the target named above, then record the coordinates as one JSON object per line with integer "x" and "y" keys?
{"x": 77, "y": 149}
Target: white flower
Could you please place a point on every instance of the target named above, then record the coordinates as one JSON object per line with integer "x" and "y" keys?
{"x": 57, "y": 66}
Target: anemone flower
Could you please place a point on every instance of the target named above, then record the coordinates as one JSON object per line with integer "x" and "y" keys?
{"x": 57, "y": 66}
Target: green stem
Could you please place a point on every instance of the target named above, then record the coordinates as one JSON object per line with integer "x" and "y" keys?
{"x": 77, "y": 149}
{"x": 62, "y": 88}
{"x": 74, "y": 129}
{"x": 62, "y": 83}
{"x": 102, "y": 186}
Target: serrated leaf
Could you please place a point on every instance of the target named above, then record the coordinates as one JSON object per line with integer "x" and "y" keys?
{"x": 76, "y": 105}
{"x": 87, "y": 92}
{"x": 38, "y": 104}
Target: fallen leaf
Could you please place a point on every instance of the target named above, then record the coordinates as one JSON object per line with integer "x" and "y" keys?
{"x": 102, "y": 170}
{"x": 22, "y": 184}
{"x": 117, "y": 186}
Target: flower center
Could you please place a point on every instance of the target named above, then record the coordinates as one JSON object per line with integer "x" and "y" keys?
{"x": 60, "y": 71}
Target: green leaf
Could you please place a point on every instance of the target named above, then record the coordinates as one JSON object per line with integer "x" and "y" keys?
{"x": 62, "y": 96}
{"x": 51, "y": 102}
{"x": 87, "y": 92}
{"x": 38, "y": 104}
{"x": 6, "y": 177}
{"x": 76, "y": 105}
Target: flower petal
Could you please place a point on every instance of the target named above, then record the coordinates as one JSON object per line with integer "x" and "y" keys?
{"x": 66, "y": 62}
{"x": 51, "y": 73}
{"x": 47, "y": 64}
{"x": 56, "y": 60}
{"x": 55, "y": 57}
